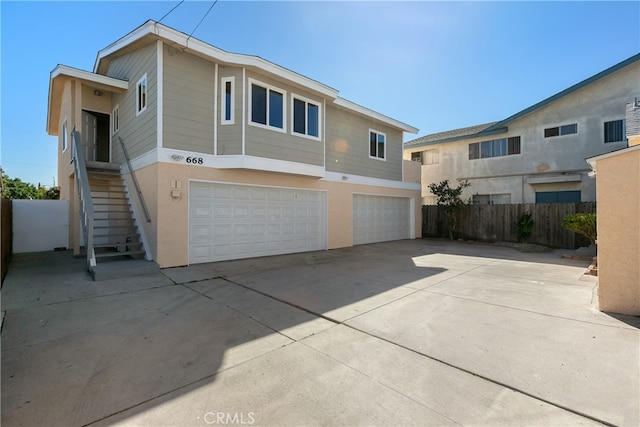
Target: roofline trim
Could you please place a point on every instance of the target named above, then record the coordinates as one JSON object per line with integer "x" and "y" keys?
{"x": 458, "y": 138}
{"x": 89, "y": 76}
{"x": 374, "y": 114}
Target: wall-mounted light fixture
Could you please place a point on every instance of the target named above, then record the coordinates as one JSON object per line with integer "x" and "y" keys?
{"x": 177, "y": 157}
{"x": 97, "y": 92}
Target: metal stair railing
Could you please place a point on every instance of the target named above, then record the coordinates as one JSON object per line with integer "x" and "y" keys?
{"x": 135, "y": 181}
{"x": 87, "y": 213}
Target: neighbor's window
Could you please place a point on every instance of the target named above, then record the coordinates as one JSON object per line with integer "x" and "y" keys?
{"x": 416, "y": 157}
{"x": 228, "y": 103}
{"x": 377, "y": 144}
{"x": 267, "y": 106}
{"x": 115, "y": 119}
{"x": 494, "y": 148}
{"x": 431, "y": 157}
{"x": 614, "y": 131}
{"x": 64, "y": 136}
{"x": 561, "y": 130}
{"x": 492, "y": 199}
{"x": 141, "y": 95}
{"x": 306, "y": 117}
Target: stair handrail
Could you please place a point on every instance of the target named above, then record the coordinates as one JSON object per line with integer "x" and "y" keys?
{"x": 135, "y": 181}
{"x": 87, "y": 213}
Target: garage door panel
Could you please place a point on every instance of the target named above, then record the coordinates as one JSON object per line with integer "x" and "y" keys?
{"x": 380, "y": 218}
{"x": 229, "y": 221}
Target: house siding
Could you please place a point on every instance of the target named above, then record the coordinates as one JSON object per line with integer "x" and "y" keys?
{"x": 188, "y": 98}
{"x": 229, "y": 139}
{"x": 348, "y": 146}
{"x": 272, "y": 144}
{"x": 139, "y": 132}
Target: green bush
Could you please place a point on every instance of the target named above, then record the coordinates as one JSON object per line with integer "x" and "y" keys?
{"x": 525, "y": 227}
{"x": 582, "y": 223}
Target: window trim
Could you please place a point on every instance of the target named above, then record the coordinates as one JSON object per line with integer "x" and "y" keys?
{"x": 268, "y": 87}
{"x": 115, "y": 120}
{"x": 384, "y": 155}
{"x": 65, "y": 136}
{"x": 306, "y": 101}
{"x": 140, "y": 109}
{"x": 623, "y": 131}
{"x": 223, "y": 101}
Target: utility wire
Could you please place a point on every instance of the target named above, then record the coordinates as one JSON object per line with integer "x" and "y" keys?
{"x": 205, "y": 15}
{"x": 174, "y": 8}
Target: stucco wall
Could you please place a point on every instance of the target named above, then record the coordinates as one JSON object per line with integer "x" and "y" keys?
{"x": 618, "y": 185}
{"x": 171, "y": 214}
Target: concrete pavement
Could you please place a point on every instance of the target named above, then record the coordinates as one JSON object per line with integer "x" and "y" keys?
{"x": 421, "y": 332}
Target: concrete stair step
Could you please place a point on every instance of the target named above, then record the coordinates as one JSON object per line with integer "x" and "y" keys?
{"x": 117, "y": 269}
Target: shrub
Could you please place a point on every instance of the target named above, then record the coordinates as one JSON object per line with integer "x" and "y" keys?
{"x": 582, "y": 223}
{"x": 450, "y": 200}
{"x": 525, "y": 227}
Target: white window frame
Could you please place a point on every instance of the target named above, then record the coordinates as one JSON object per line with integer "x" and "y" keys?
{"x": 223, "y": 100}
{"x": 306, "y": 101}
{"x": 115, "y": 120}
{"x": 141, "y": 108}
{"x": 268, "y": 87}
{"x": 384, "y": 155}
{"x": 65, "y": 135}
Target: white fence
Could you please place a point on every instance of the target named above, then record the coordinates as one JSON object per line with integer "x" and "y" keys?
{"x": 40, "y": 225}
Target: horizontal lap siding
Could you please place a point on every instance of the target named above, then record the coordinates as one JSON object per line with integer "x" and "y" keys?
{"x": 348, "y": 146}
{"x": 188, "y": 102}
{"x": 139, "y": 132}
{"x": 230, "y": 136}
{"x": 272, "y": 144}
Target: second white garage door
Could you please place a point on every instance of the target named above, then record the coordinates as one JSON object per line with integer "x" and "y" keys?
{"x": 380, "y": 218}
{"x": 230, "y": 221}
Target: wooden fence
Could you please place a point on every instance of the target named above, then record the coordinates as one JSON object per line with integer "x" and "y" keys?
{"x": 497, "y": 223}
{"x": 6, "y": 225}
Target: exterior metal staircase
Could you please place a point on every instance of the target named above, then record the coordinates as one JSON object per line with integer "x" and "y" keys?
{"x": 112, "y": 238}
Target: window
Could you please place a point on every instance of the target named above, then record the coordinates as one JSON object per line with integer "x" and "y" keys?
{"x": 416, "y": 157}
{"x": 431, "y": 157}
{"x": 306, "y": 117}
{"x": 227, "y": 99}
{"x": 64, "y": 136}
{"x": 492, "y": 199}
{"x": 494, "y": 148}
{"x": 614, "y": 131}
{"x": 115, "y": 119}
{"x": 376, "y": 144}
{"x": 561, "y": 130}
{"x": 558, "y": 196}
{"x": 141, "y": 95}
{"x": 267, "y": 106}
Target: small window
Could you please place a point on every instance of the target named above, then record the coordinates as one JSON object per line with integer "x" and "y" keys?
{"x": 561, "y": 130}
{"x": 474, "y": 151}
{"x": 306, "y": 117}
{"x": 513, "y": 145}
{"x": 228, "y": 100}
{"x": 115, "y": 119}
{"x": 416, "y": 157}
{"x": 492, "y": 199}
{"x": 141, "y": 95}
{"x": 64, "y": 136}
{"x": 377, "y": 144}
{"x": 614, "y": 131}
{"x": 431, "y": 157}
{"x": 267, "y": 106}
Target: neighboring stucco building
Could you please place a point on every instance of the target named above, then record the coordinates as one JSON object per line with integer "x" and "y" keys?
{"x": 536, "y": 155}
{"x": 235, "y": 156}
{"x": 617, "y": 178}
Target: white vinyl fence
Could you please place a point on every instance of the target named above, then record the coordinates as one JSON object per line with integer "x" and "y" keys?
{"x": 40, "y": 225}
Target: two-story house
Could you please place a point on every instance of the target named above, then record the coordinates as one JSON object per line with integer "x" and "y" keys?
{"x": 232, "y": 156}
{"x": 538, "y": 154}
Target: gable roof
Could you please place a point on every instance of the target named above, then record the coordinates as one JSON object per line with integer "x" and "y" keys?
{"x": 152, "y": 30}
{"x": 501, "y": 126}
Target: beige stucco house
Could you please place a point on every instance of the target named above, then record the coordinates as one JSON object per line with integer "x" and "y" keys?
{"x": 617, "y": 178}
{"x": 234, "y": 156}
{"x": 536, "y": 155}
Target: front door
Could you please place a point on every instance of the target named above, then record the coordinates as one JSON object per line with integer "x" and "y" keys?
{"x": 95, "y": 136}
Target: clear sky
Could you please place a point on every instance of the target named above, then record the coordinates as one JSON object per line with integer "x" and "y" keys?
{"x": 434, "y": 65}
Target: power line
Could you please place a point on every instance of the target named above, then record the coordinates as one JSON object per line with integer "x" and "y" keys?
{"x": 174, "y": 8}
{"x": 205, "y": 15}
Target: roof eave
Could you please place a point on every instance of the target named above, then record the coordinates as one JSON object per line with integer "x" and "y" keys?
{"x": 459, "y": 138}
{"x": 374, "y": 114}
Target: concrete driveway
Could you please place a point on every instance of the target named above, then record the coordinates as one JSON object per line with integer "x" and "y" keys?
{"x": 420, "y": 332}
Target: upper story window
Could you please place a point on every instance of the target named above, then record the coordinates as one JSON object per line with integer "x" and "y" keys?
{"x": 416, "y": 157}
{"x": 141, "y": 95}
{"x": 267, "y": 106}
{"x": 614, "y": 131}
{"x": 561, "y": 130}
{"x": 115, "y": 119}
{"x": 228, "y": 100}
{"x": 306, "y": 117}
{"x": 65, "y": 141}
{"x": 494, "y": 148}
{"x": 377, "y": 143}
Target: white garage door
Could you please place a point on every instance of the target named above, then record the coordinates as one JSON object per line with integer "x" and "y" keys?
{"x": 230, "y": 221}
{"x": 380, "y": 218}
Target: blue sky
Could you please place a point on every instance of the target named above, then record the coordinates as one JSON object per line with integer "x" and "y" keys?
{"x": 434, "y": 65}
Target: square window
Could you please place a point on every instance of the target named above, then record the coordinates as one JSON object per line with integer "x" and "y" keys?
{"x": 569, "y": 129}
{"x": 141, "y": 95}
{"x": 513, "y": 145}
{"x": 614, "y": 131}
{"x": 551, "y": 132}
